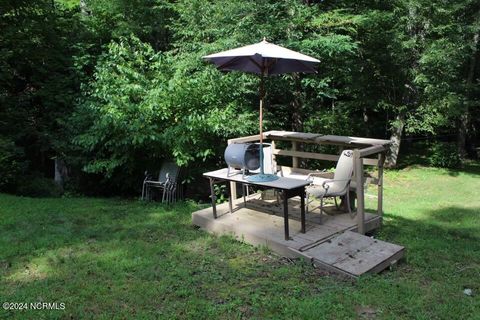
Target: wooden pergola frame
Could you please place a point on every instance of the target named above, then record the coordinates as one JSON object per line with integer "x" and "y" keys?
{"x": 363, "y": 150}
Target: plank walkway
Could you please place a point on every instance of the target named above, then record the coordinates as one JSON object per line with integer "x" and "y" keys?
{"x": 329, "y": 242}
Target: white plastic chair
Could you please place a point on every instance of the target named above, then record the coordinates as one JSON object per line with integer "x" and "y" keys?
{"x": 322, "y": 188}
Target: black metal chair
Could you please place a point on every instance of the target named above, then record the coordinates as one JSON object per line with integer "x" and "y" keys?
{"x": 168, "y": 183}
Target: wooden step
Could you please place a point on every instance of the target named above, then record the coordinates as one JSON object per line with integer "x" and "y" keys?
{"x": 332, "y": 244}
{"x": 353, "y": 254}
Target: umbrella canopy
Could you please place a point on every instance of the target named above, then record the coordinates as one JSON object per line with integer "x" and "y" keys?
{"x": 265, "y": 59}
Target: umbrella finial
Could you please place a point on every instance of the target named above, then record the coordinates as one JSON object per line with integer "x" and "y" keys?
{"x": 264, "y": 39}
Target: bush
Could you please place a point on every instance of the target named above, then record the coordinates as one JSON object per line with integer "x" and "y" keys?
{"x": 38, "y": 186}
{"x": 444, "y": 155}
{"x": 11, "y": 164}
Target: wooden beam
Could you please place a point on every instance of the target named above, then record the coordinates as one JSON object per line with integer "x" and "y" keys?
{"x": 286, "y": 171}
{"x": 370, "y": 162}
{"x": 318, "y": 156}
{"x": 245, "y": 139}
{"x": 381, "y": 161}
{"x": 319, "y": 142}
{"x": 371, "y": 150}
{"x": 325, "y": 139}
{"x": 274, "y": 158}
{"x": 294, "y": 158}
{"x": 308, "y": 155}
{"x": 358, "y": 167}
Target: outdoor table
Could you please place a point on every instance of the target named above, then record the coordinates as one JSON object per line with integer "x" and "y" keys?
{"x": 288, "y": 186}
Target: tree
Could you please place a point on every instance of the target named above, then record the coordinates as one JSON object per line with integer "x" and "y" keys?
{"x": 142, "y": 108}
{"x": 38, "y": 83}
{"x": 125, "y": 80}
{"x": 123, "y": 110}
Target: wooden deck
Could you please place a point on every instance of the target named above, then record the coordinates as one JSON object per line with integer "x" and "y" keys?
{"x": 330, "y": 240}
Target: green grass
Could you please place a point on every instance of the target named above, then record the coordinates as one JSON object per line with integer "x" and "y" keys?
{"x": 110, "y": 258}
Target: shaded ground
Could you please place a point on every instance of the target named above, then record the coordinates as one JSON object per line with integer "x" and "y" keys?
{"x": 124, "y": 259}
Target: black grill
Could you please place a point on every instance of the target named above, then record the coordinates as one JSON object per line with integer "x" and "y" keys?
{"x": 242, "y": 156}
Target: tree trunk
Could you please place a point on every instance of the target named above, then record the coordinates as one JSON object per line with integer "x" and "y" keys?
{"x": 462, "y": 134}
{"x": 416, "y": 30}
{"x": 61, "y": 172}
{"x": 396, "y": 137}
{"x": 464, "y": 117}
{"x": 297, "y": 118}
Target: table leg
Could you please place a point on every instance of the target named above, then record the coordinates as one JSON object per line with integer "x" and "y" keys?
{"x": 302, "y": 209}
{"x": 243, "y": 194}
{"x": 230, "y": 200}
{"x": 285, "y": 214}
{"x": 214, "y": 199}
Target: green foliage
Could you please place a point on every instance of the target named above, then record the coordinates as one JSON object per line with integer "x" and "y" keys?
{"x": 139, "y": 106}
{"x": 124, "y": 106}
{"x": 444, "y": 155}
{"x": 11, "y": 163}
{"x": 443, "y": 64}
{"x": 124, "y": 80}
{"x": 36, "y": 185}
{"x": 146, "y": 19}
{"x": 38, "y": 81}
{"x": 220, "y": 193}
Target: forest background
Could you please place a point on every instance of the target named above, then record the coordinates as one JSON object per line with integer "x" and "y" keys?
{"x": 107, "y": 89}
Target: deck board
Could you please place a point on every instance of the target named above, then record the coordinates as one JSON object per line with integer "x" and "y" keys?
{"x": 328, "y": 241}
{"x": 354, "y": 253}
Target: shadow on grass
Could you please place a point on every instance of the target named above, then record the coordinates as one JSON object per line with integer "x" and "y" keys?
{"x": 443, "y": 243}
{"x": 469, "y": 167}
{"x": 455, "y": 216}
{"x": 460, "y": 220}
{"x": 130, "y": 259}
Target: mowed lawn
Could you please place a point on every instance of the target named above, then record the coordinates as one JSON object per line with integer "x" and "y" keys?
{"x": 112, "y": 258}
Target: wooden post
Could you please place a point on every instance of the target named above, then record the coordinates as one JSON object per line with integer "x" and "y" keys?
{"x": 274, "y": 158}
{"x": 358, "y": 165}
{"x": 381, "y": 161}
{"x": 294, "y": 159}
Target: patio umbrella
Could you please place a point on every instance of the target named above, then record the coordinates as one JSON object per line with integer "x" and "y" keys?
{"x": 264, "y": 59}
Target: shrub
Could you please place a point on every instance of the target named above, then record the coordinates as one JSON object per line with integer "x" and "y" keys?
{"x": 444, "y": 155}
{"x": 11, "y": 164}
{"x": 38, "y": 186}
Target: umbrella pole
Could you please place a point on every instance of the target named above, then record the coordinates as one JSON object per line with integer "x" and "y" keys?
{"x": 262, "y": 177}
{"x": 262, "y": 94}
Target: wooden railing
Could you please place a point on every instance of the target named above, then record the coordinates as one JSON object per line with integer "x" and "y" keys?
{"x": 361, "y": 157}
